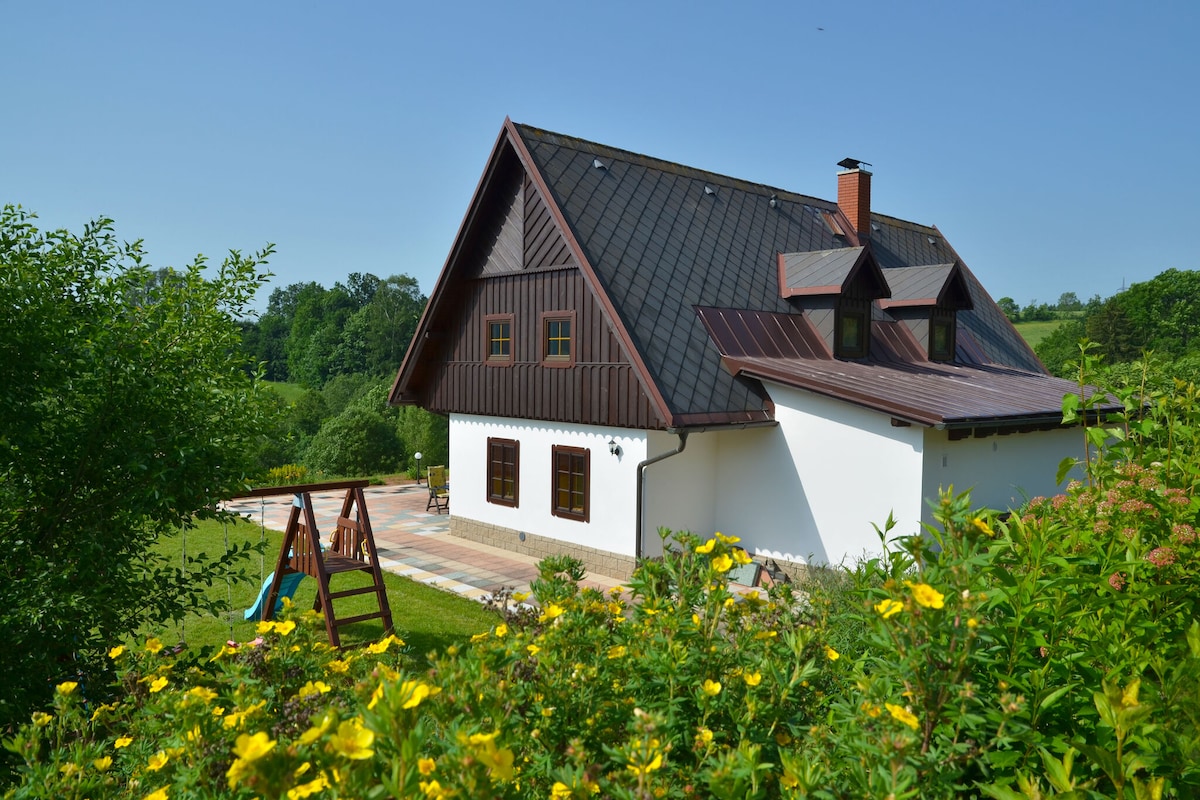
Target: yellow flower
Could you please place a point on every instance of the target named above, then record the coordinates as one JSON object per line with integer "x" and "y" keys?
{"x": 316, "y": 731}
{"x": 741, "y": 556}
{"x": 533, "y": 649}
{"x": 383, "y": 644}
{"x": 153, "y": 645}
{"x": 752, "y": 678}
{"x": 707, "y": 547}
{"x": 982, "y": 525}
{"x": 617, "y": 651}
{"x": 157, "y": 761}
{"x": 202, "y": 693}
{"x": 520, "y": 597}
{"x": 414, "y": 692}
{"x": 727, "y": 539}
{"x": 831, "y": 654}
{"x": 479, "y": 637}
{"x": 426, "y": 766}
{"x": 317, "y": 784}
{"x": 711, "y": 688}
{"x": 501, "y": 631}
{"x": 553, "y": 610}
{"x": 433, "y": 789}
{"x": 66, "y": 688}
{"x": 648, "y": 766}
{"x": 116, "y": 652}
{"x": 285, "y": 627}
{"x": 559, "y": 791}
{"x": 41, "y": 719}
{"x": 889, "y": 608}
{"x": 314, "y": 687}
{"x": 722, "y": 563}
{"x": 122, "y": 741}
{"x": 338, "y": 666}
{"x": 157, "y": 794}
{"x": 353, "y": 741}
{"x": 972, "y": 622}
{"x": 926, "y": 595}
{"x": 102, "y": 764}
{"x": 158, "y": 684}
{"x": 704, "y": 735}
{"x": 871, "y": 709}
{"x": 251, "y": 747}
{"x": 903, "y": 715}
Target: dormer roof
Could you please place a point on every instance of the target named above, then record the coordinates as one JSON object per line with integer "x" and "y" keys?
{"x": 845, "y": 271}
{"x": 935, "y": 285}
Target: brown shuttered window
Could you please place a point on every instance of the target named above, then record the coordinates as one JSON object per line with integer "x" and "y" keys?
{"x": 571, "y": 486}
{"x": 498, "y": 333}
{"x": 503, "y": 471}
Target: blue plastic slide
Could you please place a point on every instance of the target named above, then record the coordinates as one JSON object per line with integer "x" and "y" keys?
{"x": 287, "y": 587}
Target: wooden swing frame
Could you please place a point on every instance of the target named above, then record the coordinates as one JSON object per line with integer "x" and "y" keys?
{"x": 351, "y": 549}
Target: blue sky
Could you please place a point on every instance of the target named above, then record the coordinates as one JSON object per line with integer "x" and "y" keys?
{"x": 1055, "y": 144}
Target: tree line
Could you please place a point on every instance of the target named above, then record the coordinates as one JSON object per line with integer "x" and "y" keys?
{"x": 1159, "y": 317}
{"x": 340, "y": 348}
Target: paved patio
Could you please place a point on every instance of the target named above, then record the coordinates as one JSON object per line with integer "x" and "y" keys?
{"x": 417, "y": 543}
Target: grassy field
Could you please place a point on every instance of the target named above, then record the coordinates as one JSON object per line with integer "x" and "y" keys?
{"x": 290, "y": 392}
{"x": 1034, "y": 332}
{"x": 425, "y": 618}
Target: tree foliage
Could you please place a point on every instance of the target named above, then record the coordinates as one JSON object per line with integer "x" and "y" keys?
{"x": 126, "y": 407}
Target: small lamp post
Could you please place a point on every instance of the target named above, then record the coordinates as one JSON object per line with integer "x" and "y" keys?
{"x": 417, "y": 456}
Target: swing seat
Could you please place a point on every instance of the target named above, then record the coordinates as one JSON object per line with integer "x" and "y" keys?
{"x": 287, "y": 588}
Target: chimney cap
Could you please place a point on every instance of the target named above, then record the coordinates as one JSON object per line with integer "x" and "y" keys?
{"x": 851, "y": 163}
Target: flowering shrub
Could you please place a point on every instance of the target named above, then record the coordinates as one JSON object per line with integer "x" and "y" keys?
{"x": 1051, "y": 653}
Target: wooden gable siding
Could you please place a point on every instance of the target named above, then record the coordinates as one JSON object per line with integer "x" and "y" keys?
{"x": 544, "y": 245}
{"x": 600, "y": 389}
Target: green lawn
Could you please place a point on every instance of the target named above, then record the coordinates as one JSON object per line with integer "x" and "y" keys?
{"x": 290, "y": 392}
{"x": 425, "y": 618}
{"x": 1034, "y": 332}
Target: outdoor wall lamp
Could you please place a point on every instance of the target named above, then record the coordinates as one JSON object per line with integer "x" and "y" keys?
{"x": 613, "y": 447}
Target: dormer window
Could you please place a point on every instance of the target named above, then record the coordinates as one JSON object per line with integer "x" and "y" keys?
{"x": 941, "y": 338}
{"x": 852, "y": 338}
{"x": 926, "y": 299}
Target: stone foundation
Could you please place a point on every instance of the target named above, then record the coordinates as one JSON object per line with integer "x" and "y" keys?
{"x": 600, "y": 562}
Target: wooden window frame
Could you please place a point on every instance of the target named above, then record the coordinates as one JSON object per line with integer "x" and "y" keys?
{"x": 494, "y": 445}
{"x": 949, "y": 324}
{"x": 864, "y": 319}
{"x": 498, "y": 319}
{"x": 547, "y": 318}
{"x": 570, "y": 454}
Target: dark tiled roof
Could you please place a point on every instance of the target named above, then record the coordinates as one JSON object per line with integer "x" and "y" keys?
{"x": 821, "y": 272}
{"x": 660, "y": 245}
{"x": 896, "y": 380}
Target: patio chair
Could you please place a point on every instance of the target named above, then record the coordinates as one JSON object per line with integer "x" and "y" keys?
{"x": 439, "y": 489}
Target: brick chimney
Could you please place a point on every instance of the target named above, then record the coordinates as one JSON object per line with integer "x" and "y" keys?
{"x": 854, "y": 195}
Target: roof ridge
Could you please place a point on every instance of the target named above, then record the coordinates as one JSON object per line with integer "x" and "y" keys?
{"x": 565, "y": 140}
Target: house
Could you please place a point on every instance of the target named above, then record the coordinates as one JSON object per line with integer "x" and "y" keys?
{"x": 623, "y": 343}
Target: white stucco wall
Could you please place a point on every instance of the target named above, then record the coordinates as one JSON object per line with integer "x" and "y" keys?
{"x": 1001, "y": 471}
{"x": 611, "y": 516}
{"x": 810, "y": 489}
{"x": 680, "y": 490}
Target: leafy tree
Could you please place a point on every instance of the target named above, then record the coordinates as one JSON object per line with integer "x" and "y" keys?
{"x": 1069, "y": 301}
{"x": 1061, "y": 347}
{"x": 1010, "y": 308}
{"x": 1165, "y": 311}
{"x": 1111, "y": 329}
{"x": 125, "y": 409}
{"x": 356, "y": 442}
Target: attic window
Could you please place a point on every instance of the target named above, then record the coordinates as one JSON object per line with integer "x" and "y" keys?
{"x": 498, "y": 330}
{"x": 941, "y": 338}
{"x": 851, "y": 334}
{"x": 558, "y": 338}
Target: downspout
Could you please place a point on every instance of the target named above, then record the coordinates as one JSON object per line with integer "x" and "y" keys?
{"x": 641, "y": 490}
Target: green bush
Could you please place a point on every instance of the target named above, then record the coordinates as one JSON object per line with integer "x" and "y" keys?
{"x": 1051, "y": 653}
{"x": 356, "y": 442}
